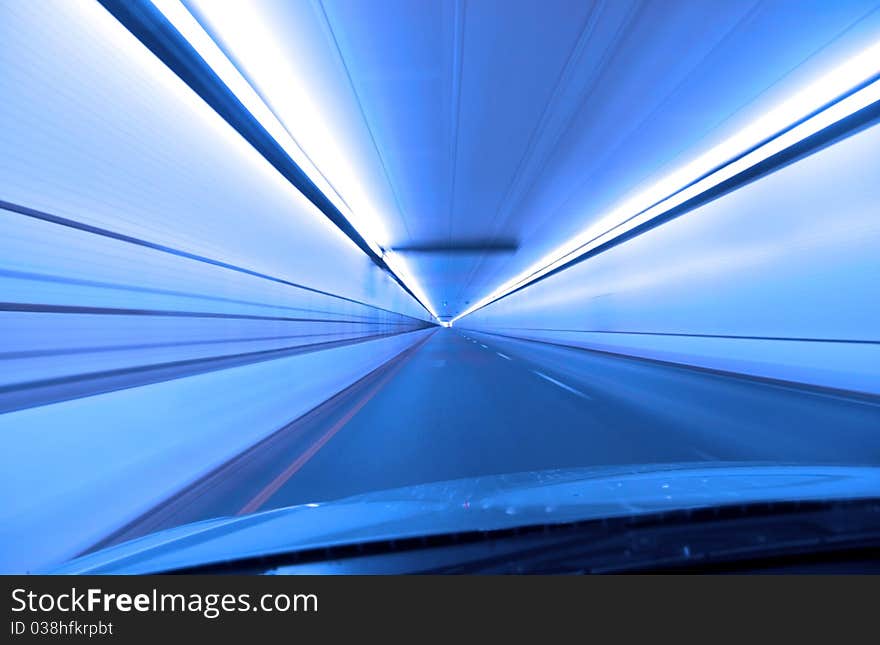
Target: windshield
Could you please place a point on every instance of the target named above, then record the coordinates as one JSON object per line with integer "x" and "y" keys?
{"x": 256, "y": 255}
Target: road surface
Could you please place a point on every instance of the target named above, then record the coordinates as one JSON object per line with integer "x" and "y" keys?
{"x": 464, "y": 404}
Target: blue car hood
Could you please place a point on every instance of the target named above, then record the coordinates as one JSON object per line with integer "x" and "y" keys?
{"x": 482, "y": 503}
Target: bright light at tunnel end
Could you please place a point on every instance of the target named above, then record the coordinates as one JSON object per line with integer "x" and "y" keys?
{"x": 778, "y": 129}
{"x": 367, "y": 225}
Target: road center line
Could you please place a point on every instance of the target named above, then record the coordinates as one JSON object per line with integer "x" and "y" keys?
{"x": 562, "y": 385}
{"x": 504, "y": 356}
{"x": 263, "y": 496}
{"x": 483, "y": 346}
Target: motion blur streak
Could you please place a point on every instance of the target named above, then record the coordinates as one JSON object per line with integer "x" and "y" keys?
{"x": 184, "y": 334}
{"x": 214, "y": 305}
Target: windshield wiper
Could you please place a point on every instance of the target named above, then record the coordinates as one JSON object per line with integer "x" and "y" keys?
{"x": 757, "y": 537}
{"x": 716, "y": 539}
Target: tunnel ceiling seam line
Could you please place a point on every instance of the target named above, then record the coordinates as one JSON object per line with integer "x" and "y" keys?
{"x": 338, "y": 48}
{"x": 508, "y": 203}
{"x": 608, "y": 54}
{"x": 457, "y": 72}
{"x": 639, "y": 125}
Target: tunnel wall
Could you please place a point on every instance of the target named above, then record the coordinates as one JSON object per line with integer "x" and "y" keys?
{"x": 778, "y": 279}
{"x": 168, "y": 299}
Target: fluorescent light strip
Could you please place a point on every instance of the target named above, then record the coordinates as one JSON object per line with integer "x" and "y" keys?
{"x": 763, "y": 138}
{"x": 188, "y": 27}
{"x": 400, "y": 267}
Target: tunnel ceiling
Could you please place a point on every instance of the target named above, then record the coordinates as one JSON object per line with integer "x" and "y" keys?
{"x": 482, "y": 134}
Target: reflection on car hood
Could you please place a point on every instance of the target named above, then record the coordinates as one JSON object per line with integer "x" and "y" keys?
{"x": 481, "y": 503}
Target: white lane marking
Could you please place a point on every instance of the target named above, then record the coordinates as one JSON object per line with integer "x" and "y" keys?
{"x": 483, "y": 346}
{"x": 504, "y": 356}
{"x": 562, "y": 385}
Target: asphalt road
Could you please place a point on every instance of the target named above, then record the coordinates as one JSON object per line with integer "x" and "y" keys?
{"x": 463, "y": 404}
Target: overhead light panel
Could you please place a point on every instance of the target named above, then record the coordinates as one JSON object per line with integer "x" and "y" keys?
{"x": 366, "y": 226}
{"x": 843, "y": 92}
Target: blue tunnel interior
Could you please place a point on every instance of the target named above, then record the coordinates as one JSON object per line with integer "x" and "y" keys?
{"x": 261, "y": 254}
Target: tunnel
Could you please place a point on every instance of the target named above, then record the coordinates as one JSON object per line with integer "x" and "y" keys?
{"x": 261, "y": 255}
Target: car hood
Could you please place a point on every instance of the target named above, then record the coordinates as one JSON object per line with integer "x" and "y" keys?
{"x": 480, "y": 503}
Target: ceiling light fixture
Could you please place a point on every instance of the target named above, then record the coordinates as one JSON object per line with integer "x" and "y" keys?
{"x": 837, "y": 95}
{"x": 368, "y": 229}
